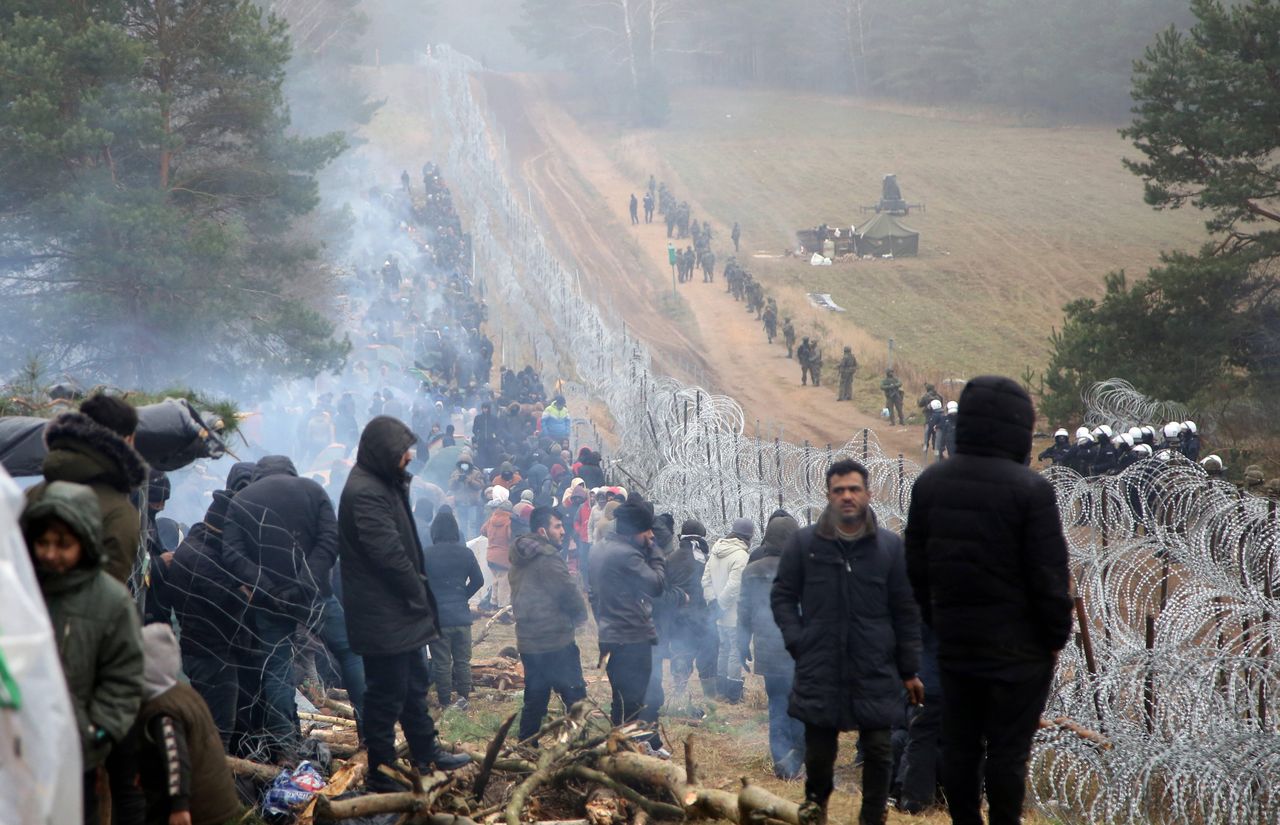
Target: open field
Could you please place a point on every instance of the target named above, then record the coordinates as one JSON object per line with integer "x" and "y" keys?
{"x": 1019, "y": 220}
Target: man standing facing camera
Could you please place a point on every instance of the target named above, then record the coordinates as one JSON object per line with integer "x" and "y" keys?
{"x": 847, "y": 616}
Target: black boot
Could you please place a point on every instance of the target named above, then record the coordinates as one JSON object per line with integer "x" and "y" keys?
{"x": 733, "y": 691}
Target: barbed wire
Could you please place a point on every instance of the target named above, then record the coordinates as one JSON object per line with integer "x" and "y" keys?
{"x": 1174, "y": 570}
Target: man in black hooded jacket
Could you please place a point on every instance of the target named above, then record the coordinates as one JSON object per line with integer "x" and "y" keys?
{"x": 390, "y": 612}
{"x": 280, "y": 542}
{"x": 988, "y": 563}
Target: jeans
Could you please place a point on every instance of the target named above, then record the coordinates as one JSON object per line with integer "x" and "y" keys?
{"x": 729, "y": 657}
{"x": 821, "y": 747}
{"x": 273, "y": 635}
{"x": 396, "y": 691}
{"x": 559, "y": 670}
{"x": 217, "y": 682}
{"x": 332, "y": 629}
{"x": 628, "y": 669}
{"x": 698, "y": 645}
{"x": 786, "y": 735}
{"x": 999, "y": 717}
{"x": 451, "y": 663}
{"x": 654, "y": 695}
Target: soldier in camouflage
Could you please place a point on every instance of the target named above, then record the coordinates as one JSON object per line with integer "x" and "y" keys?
{"x": 788, "y": 335}
{"x": 847, "y": 368}
{"x": 803, "y": 355}
{"x": 770, "y": 319}
{"x": 892, "y": 389}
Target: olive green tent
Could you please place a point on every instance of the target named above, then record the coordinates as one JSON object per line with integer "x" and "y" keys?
{"x": 883, "y": 234}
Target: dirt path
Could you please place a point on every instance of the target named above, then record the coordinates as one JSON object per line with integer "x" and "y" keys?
{"x": 584, "y": 197}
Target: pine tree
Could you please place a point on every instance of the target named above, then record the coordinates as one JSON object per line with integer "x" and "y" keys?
{"x": 149, "y": 188}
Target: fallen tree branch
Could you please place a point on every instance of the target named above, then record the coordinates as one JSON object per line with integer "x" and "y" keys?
{"x": 490, "y": 757}
{"x": 243, "y": 767}
{"x": 484, "y": 631}
{"x": 698, "y": 802}
{"x": 408, "y": 802}
{"x": 651, "y": 806}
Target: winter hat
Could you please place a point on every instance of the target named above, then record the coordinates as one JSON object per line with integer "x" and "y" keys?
{"x": 692, "y": 527}
{"x": 161, "y": 659}
{"x": 743, "y": 527}
{"x": 632, "y": 519}
{"x": 527, "y": 495}
{"x": 779, "y": 513}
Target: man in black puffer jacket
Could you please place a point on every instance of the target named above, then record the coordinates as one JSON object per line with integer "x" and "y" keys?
{"x": 455, "y": 576}
{"x": 771, "y": 660}
{"x": 844, "y": 606}
{"x": 988, "y": 563}
{"x": 280, "y": 542}
{"x": 390, "y": 612}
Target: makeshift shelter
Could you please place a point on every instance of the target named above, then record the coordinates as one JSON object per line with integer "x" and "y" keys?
{"x": 884, "y": 234}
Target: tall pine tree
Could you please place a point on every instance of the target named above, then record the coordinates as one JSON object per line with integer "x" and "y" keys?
{"x": 149, "y": 189}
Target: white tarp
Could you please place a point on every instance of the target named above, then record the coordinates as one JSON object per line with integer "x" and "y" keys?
{"x": 822, "y": 300}
{"x": 39, "y": 746}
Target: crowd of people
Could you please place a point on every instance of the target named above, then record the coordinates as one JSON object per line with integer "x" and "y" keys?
{"x": 1103, "y": 451}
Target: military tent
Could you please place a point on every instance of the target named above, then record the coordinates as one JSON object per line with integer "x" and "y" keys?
{"x": 883, "y": 234}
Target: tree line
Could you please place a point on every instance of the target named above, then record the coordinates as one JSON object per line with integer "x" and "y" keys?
{"x": 1069, "y": 59}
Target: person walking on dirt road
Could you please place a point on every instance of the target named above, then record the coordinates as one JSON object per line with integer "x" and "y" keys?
{"x": 987, "y": 561}
{"x": 847, "y": 367}
{"x": 633, "y": 207}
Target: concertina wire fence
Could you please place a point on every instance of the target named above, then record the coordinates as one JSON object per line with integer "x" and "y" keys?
{"x": 1173, "y": 666}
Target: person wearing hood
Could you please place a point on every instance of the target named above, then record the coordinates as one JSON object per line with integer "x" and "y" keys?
{"x": 844, "y": 607}
{"x": 770, "y": 658}
{"x": 627, "y": 574}
{"x": 391, "y": 614}
{"x": 498, "y": 530}
{"x": 280, "y": 542}
{"x": 95, "y": 447}
{"x": 182, "y": 766}
{"x": 548, "y": 608}
{"x": 94, "y": 621}
{"x": 210, "y": 607}
{"x": 454, "y": 576}
{"x": 507, "y": 476}
{"x": 694, "y": 640}
{"x": 988, "y": 563}
{"x": 721, "y": 586}
{"x": 590, "y": 471}
{"x": 466, "y": 483}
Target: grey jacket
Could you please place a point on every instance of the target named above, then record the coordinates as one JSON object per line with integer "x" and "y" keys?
{"x": 625, "y": 580}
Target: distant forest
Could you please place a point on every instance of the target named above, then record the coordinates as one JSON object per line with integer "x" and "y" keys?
{"x": 1065, "y": 58}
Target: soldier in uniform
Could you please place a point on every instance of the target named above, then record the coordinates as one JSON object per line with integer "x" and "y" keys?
{"x": 633, "y": 206}
{"x": 802, "y": 355}
{"x": 930, "y": 394}
{"x": 708, "y": 266}
{"x": 648, "y": 206}
{"x": 815, "y": 363}
{"x": 690, "y": 261}
{"x": 788, "y": 335}
{"x": 848, "y": 367}
{"x": 892, "y": 389}
{"x": 770, "y": 319}
{"x": 736, "y": 235}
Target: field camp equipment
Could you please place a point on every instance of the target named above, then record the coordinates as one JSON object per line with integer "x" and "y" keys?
{"x": 884, "y": 235}
{"x": 891, "y": 200}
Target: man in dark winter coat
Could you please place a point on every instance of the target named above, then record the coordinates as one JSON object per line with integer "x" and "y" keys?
{"x": 845, "y": 609}
{"x": 390, "y": 612}
{"x": 548, "y": 608}
{"x": 280, "y": 542}
{"x": 771, "y": 659}
{"x": 694, "y": 639}
{"x": 454, "y": 576}
{"x": 627, "y": 574}
{"x": 988, "y": 563}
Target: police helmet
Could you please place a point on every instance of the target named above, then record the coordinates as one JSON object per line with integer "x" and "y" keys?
{"x": 1143, "y": 450}
{"x": 1212, "y": 464}
{"x": 1135, "y": 433}
{"x": 1172, "y": 430}
{"x": 1083, "y": 436}
{"x": 954, "y": 407}
{"x": 935, "y": 404}
{"x": 1191, "y": 426}
{"x": 1061, "y": 432}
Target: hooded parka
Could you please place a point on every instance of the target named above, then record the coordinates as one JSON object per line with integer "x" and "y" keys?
{"x": 722, "y": 578}
{"x": 984, "y": 543}
{"x": 388, "y": 606}
{"x": 544, "y": 596}
{"x": 94, "y": 621}
{"x": 83, "y": 451}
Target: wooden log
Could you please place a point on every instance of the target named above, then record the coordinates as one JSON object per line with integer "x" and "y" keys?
{"x": 344, "y": 737}
{"x": 490, "y": 757}
{"x": 652, "y": 806}
{"x": 342, "y": 709}
{"x": 409, "y": 802}
{"x": 754, "y": 801}
{"x": 488, "y": 626}
{"x": 243, "y": 767}
{"x": 328, "y": 720}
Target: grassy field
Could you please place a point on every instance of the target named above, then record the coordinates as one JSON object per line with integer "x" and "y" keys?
{"x": 1019, "y": 220}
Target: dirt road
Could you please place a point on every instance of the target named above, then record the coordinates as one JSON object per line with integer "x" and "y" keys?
{"x": 583, "y": 196}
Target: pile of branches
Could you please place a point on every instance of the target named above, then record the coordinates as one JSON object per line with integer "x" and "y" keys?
{"x": 578, "y": 770}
